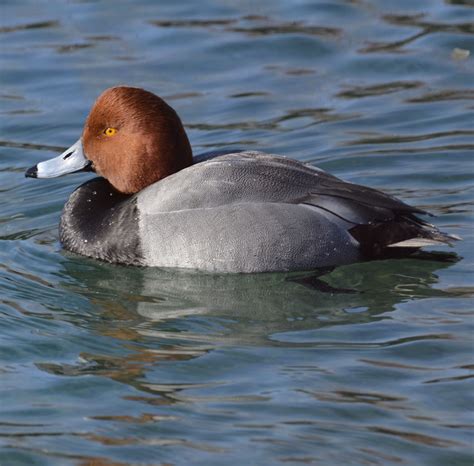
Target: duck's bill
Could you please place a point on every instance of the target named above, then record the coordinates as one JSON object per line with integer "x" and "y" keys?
{"x": 70, "y": 161}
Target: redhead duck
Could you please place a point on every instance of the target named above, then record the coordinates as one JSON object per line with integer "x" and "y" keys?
{"x": 154, "y": 205}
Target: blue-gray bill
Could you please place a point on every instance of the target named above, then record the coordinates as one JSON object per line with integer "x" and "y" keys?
{"x": 70, "y": 161}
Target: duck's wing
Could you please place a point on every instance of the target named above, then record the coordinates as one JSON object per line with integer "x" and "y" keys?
{"x": 237, "y": 178}
{"x": 379, "y": 221}
{"x": 355, "y": 203}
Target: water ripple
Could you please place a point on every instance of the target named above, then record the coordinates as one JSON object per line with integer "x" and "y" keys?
{"x": 415, "y": 21}
{"x": 28, "y": 26}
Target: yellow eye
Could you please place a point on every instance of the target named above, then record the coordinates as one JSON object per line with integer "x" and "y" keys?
{"x": 110, "y": 131}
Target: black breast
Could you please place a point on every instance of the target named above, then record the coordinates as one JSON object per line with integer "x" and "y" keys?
{"x": 100, "y": 222}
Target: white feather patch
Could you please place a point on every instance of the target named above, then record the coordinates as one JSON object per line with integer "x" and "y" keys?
{"x": 416, "y": 243}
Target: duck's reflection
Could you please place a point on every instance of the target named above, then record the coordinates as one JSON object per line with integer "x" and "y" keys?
{"x": 163, "y": 315}
{"x": 150, "y": 295}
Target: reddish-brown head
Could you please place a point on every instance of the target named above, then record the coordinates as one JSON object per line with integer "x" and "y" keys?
{"x": 134, "y": 138}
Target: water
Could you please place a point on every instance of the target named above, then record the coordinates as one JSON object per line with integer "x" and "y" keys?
{"x": 107, "y": 365}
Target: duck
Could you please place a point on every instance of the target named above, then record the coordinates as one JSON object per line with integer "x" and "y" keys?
{"x": 153, "y": 204}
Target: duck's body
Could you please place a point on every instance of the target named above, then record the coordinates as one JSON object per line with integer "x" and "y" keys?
{"x": 240, "y": 212}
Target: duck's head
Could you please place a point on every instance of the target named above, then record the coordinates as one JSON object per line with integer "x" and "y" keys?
{"x": 131, "y": 137}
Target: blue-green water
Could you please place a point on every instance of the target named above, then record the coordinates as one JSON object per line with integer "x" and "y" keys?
{"x": 103, "y": 365}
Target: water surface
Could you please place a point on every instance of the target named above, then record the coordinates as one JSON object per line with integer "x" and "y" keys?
{"x": 368, "y": 364}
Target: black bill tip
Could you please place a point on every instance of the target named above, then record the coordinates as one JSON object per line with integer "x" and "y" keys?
{"x": 32, "y": 172}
